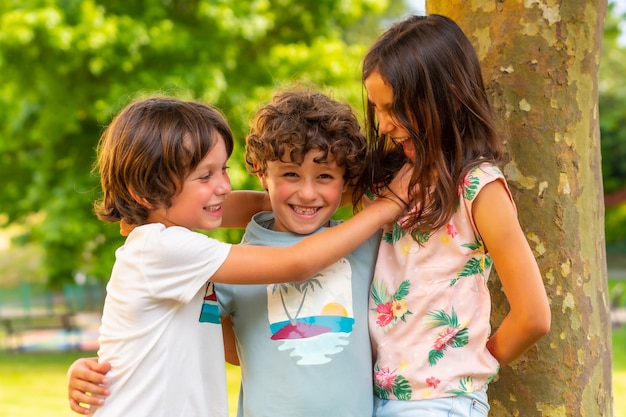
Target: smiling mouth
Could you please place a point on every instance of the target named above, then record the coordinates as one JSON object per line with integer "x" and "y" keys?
{"x": 216, "y": 207}
{"x": 400, "y": 140}
{"x": 305, "y": 210}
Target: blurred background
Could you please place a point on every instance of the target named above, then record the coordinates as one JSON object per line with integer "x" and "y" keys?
{"x": 67, "y": 66}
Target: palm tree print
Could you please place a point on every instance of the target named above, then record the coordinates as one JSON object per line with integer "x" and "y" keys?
{"x": 302, "y": 288}
{"x": 454, "y": 335}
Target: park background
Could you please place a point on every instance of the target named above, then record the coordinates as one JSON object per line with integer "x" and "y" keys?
{"x": 68, "y": 66}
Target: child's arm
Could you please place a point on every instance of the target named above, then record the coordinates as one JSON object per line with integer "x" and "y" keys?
{"x": 240, "y": 206}
{"x": 85, "y": 376}
{"x": 249, "y": 264}
{"x": 529, "y": 316}
{"x": 230, "y": 347}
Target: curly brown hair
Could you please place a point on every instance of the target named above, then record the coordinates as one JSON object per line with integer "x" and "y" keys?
{"x": 298, "y": 121}
{"x": 149, "y": 149}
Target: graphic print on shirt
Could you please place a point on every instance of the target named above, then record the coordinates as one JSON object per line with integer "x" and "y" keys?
{"x": 313, "y": 320}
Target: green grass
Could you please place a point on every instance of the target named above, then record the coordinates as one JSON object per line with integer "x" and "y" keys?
{"x": 34, "y": 384}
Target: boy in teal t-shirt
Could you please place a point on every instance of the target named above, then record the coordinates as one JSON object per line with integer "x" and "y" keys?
{"x": 304, "y": 348}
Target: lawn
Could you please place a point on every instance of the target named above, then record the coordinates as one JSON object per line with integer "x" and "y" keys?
{"x": 33, "y": 384}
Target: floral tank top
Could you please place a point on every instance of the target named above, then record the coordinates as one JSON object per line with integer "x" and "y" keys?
{"x": 430, "y": 305}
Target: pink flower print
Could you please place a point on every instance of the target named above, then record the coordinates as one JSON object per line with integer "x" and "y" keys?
{"x": 385, "y": 313}
{"x": 385, "y": 379}
{"x": 399, "y": 308}
{"x": 451, "y": 230}
{"x": 444, "y": 338}
{"x": 432, "y": 382}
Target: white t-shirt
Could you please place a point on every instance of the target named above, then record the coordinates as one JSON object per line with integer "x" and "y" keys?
{"x": 164, "y": 362}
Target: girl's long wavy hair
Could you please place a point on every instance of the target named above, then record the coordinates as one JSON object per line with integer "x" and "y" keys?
{"x": 440, "y": 99}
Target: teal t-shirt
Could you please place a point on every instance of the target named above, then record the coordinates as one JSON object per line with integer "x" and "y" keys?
{"x": 304, "y": 348}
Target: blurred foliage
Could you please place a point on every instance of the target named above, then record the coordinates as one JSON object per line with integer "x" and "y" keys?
{"x": 612, "y": 105}
{"x": 69, "y": 65}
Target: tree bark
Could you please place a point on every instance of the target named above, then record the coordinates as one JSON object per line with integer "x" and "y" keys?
{"x": 540, "y": 63}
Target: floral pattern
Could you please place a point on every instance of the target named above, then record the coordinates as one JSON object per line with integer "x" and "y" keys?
{"x": 436, "y": 360}
{"x": 390, "y": 309}
{"x": 389, "y": 382}
{"x": 453, "y": 335}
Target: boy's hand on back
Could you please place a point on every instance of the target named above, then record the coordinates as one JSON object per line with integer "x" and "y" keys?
{"x": 86, "y": 384}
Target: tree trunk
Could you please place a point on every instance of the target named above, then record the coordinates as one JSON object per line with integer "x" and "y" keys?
{"x": 540, "y": 63}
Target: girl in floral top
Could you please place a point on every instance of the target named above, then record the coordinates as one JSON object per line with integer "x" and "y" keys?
{"x": 429, "y": 302}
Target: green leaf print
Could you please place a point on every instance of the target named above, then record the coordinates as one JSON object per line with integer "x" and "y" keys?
{"x": 453, "y": 335}
{"x": 378, "y": 291}
{"x": 477, "y": 264}
{"x": 440, "y": 318}
{"x": 470, "y": 187}
{"x": 419, "y": 236}
{"x": 465, "y": 385}
{"x": 403, "y": 290}
{"x": 434, "y": 356}
{"x": 394, "y": 235}
{"x": 402, "y": 388}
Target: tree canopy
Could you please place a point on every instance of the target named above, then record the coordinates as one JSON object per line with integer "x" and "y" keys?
{"x": 69, "y": 65}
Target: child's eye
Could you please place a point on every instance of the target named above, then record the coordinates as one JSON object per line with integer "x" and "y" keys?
{"x": 290, "y": 174}
{"x": 326, "y": 177}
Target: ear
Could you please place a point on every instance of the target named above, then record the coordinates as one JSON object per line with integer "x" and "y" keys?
{"x": 261, "y": 176}
{"x": 140, "y": 200}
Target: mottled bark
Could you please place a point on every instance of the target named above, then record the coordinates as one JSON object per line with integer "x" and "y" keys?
{"x": 540, "y": 63}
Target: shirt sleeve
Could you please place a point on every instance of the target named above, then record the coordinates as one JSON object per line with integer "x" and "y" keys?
{"x": 178, "y": 262}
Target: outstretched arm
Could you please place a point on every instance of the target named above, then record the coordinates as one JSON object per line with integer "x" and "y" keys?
{"x": 249, "y": 264}
{"x": 529, "y": 318}
{"x": 87, "y": 384}
{"x": 240, "y": 206}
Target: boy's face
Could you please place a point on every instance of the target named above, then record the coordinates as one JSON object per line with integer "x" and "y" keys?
{"x": 198, "y": 205}
{"x": 303, "y": 197}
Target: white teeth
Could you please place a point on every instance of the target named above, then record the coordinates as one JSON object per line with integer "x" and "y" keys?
{"x": 213, "y": 208}
{"x": 304, "y": 210}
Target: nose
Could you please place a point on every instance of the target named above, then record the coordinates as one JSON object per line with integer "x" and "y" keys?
{"x": 224, "y": 186}
{"x": 307, "y": 191}
{"x": 385, "y": 123}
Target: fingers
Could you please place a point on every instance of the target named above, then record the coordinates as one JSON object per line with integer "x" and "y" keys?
{"x": 87, "y": 384}
{"x": 398, "y": 189}
{"x": 81, "y": 402}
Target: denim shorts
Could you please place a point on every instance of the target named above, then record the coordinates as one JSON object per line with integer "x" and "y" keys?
{"x": 473, "y": 404}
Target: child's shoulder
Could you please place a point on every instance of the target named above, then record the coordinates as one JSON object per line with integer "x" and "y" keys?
{"x": 479, "y": 176}
{"x": 486, "y": 170}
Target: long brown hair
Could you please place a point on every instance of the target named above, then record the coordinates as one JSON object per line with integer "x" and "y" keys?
{"x": 439, "y": 98}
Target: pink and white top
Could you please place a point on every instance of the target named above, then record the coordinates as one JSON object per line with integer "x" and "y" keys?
{"x": 430, "y": 305}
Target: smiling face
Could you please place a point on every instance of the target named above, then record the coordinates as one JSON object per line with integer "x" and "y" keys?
{"x": 380, "y": 95}
{"x": 198, "y": 205}
{"x": 304, "y": 197}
